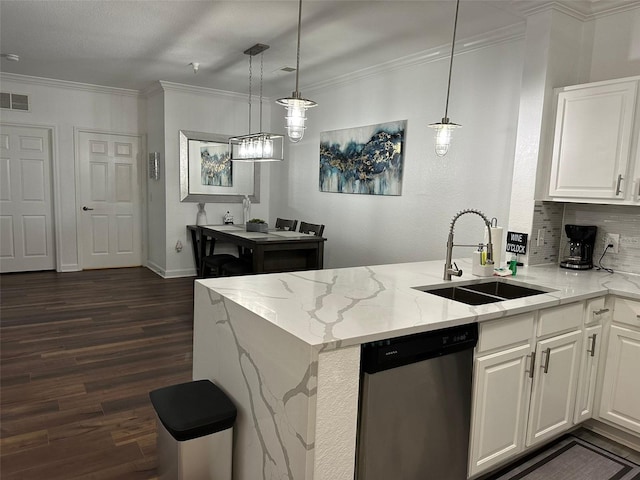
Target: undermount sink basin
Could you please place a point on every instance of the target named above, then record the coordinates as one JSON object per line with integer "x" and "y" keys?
{"x": 482, "y": 293}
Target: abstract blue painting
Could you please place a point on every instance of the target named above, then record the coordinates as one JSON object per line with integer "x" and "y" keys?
{"x": 366, "y": 160}
{"x": 216, "y": 166}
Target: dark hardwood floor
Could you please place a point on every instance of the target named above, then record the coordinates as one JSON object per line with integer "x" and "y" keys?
{"x": 79, "y": 353}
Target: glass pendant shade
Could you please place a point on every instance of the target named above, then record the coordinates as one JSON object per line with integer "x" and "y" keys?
{"x": 443, "y": 131}
{"x": 296, "y": 117}
{"x": 296, "y": 106}
{"x": 444, "y": 128}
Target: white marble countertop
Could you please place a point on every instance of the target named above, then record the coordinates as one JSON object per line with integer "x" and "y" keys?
{"x": 350, "y": 306}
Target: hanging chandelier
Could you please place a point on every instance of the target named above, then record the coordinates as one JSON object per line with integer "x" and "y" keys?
{"x": 445, "y": 127}
{"x": 256, "y": 147}
{"x": 296, "y": 105}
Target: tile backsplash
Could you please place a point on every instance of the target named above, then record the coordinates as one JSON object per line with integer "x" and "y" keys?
{"x": 547, "y": 232}
{"x": 550, "y": 217}
{"x": 623, "y": 220}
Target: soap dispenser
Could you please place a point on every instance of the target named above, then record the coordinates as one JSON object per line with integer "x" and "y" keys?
{"x": 480, "y": 267}
{"x": 476, "y": 261}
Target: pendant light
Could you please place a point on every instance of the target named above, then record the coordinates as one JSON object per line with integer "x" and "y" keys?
{"x": 444, "y": 128}
{"x": 256, "y": 147}
{"x": 296, "y": 105}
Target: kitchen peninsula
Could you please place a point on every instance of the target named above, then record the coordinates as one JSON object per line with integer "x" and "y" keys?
{"x": 286, "y": 348}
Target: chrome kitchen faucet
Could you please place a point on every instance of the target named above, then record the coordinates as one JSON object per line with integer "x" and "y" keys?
{"x": 449, "y": 269}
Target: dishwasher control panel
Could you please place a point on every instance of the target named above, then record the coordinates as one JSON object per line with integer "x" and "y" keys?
{"x": 395, "y": 352}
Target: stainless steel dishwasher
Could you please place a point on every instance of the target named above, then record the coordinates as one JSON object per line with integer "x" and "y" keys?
{"x": 415, "y": 406}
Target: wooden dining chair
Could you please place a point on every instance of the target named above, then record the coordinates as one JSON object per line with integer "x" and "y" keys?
{"x": 212, "y": 264}
{"x": 237, "y": 267}
{"x": 284, "y": 224}
{"x": 314, "y": 228}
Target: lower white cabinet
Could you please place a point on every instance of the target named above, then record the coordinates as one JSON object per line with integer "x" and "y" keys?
{"x": 502, "y": 389}
{"x": 620, "y": 401}
{"x": 538, "y": 374}
{"x": 554, "y": 386}
{"x": 525, "y": 381}
{"x": 591, "y": 347}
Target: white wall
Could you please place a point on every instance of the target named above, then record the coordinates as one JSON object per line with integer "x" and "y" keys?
{"x": 476, "y": 173}
{"x": 201, "y": 110}
{"x": 554, "y": 57}
{"x": 65, "y": 106}
{"x": 616, "y": 46}
{"x": 156, "y": 189}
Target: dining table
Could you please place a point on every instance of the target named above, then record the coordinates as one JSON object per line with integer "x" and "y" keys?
{"x": 271, "y": 251}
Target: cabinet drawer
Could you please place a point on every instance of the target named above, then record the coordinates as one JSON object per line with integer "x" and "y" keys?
{"x": 505, "y": 332}
{"x": 560, "y": 319}
{"x": 627, "y": 311}
{"x": 596, "y": 311}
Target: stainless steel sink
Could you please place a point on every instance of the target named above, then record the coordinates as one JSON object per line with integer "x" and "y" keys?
{"x": 481, "y": 293}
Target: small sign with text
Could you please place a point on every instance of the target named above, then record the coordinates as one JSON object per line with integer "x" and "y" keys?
{"x": 517, "y": 242}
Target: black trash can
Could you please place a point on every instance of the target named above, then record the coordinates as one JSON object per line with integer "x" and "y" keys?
{"x": 195, "y": 431}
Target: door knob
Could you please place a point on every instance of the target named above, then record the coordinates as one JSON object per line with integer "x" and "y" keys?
{"x": 85, "y": 208}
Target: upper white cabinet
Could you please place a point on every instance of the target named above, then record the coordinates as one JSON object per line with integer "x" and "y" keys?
{"x": 595, "y": 154}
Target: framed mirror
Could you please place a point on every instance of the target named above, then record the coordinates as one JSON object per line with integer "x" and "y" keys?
{"x": 207, "y": 175}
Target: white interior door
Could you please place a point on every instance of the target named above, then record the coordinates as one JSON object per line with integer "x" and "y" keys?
{"x": 110, "y": 200}
{"x": 26, "y": 206}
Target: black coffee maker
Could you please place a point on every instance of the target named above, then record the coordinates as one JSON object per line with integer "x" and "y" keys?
{"x": 582, "y": 239}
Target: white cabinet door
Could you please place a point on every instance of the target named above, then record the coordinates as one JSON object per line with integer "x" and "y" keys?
{"x": 620, "y": 401}
{"x": 592, "y": 141}
{"x": 554, "y": 386}
{"x": 592, "y": 339}
{"x": 501, "y": 401}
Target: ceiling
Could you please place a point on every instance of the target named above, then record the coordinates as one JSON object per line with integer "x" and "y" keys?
{"x": 133, "y": 43}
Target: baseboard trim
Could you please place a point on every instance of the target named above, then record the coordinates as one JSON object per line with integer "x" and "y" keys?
{"x": 73, "y": 267}
{"x": 613, "y": 433}
{"x": 180, "y": 273}
{"x": 155, "y": 268}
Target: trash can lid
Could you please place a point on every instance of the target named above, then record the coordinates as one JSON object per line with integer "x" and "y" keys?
{"x": 193, "y": 409}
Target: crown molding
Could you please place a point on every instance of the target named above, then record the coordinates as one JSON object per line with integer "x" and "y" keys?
{"x": 582, "y": 10}
{"x": 510, "y": 33}
{"x": 180, "y": 87}
{"x": 51, "y": 82}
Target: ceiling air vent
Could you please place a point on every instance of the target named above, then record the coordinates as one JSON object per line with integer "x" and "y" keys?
{"x": 14, "y": 101}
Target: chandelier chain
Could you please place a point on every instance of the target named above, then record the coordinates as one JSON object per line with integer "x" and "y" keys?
{"x": 250, "y": 81}
{"x": 261, "y": 75}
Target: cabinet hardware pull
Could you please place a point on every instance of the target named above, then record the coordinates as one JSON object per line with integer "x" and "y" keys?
{"x": 593, "y": 345}
{"x": 533, "y": 363}
{"x": 601, "y": 311}
{"x": 546, "y": 360}
{"x": 618, "y": 185}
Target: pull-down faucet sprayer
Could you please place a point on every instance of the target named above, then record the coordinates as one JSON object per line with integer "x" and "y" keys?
{"x": 449, "y": 269}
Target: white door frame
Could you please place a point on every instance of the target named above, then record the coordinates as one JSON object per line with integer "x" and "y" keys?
{"x": 55, "y": 186}
{"x": 142, "y": 171}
